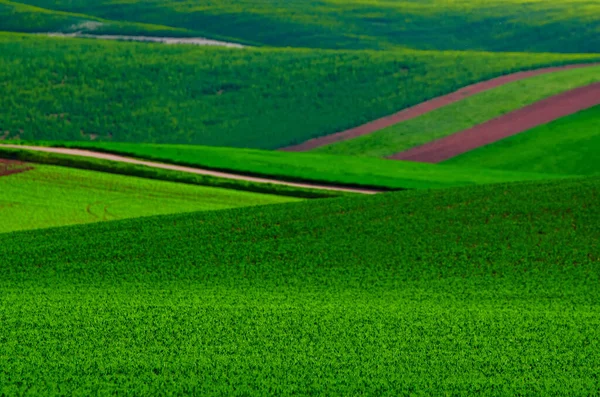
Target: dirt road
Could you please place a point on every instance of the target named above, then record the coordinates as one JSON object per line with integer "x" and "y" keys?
{"x": 165, "y": 40}
{"x": 521, "y": 120}
{"x": 424, "y": 107}
{"x": 198, "y": 171}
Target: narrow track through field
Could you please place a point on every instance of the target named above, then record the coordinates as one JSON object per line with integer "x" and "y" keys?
{"x": 425, "y": 107}
{"x": 542, "y": 112}
{"x": 198, "y": 171}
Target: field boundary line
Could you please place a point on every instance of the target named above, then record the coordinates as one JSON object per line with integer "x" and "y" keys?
{"x": 191, "y": 170}
{"x": 427, "y": 107}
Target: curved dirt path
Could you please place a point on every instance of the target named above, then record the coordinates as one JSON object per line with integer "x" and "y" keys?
{"x": 526, "y": 118}
{"x": 426, "y": 107}
{"x": 201, "y": 41}
{"x": 198, "y": 171}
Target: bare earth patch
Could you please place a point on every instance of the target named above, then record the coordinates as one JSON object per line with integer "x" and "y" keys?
{"x": 8, "y": 167}
{"x": 513, "y": 123}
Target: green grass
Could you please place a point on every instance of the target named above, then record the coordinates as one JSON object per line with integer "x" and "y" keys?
{"x": 495, "y": 25}
{"x": 484, "y": 290}
{"x": 464, "y": 114}
{"x": 338, "y": 170}
{"x": 569, "y": 145}
{"x": 63, "y": 89}
{"x": 55, "y": 196}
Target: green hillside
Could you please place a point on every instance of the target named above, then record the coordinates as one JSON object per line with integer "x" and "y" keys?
{"x": 481, "y": 290}
{"x": 50, "y": 196}
{"x": 495, "y": 25}
{"x": 569, "y": 145}
{"x": 342, "y": 170}
{"x": 261, "y": 98}
{"x": 464, "y": 114}
{"x": 20, "y": 17}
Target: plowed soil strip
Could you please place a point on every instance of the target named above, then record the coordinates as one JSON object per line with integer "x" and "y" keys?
{"x": 9, "y": 167}
{"x": 198, "y": 171}
{"x": 513, "y": 123}
{"x": 425, "y": 107}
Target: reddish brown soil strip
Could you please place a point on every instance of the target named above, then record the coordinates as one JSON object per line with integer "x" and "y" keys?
{"x": 424, "y": 107}
{"x": 198, "y": 171}
{"x": 513, "y": 123}
{"x": 9, "y": 167}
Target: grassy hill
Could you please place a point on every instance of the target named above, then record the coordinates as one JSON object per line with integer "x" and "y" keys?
{"x": 464, "y": 114}
{"x": 18, "y": 17}
{"x": 339, "y": 170}
{"x": 487, "y": 289}
{"x": 568, "y": 145}
{"x": 261, "y": 98}
{"x": 494, "y": 25}
{"x": 50, "y": 196}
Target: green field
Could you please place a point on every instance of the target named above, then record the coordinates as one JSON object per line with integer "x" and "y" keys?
{"x": 464, "y": 114}
{"x": 260, "y": 98}
{"x": 50, "y": 196}
{"x": 338, "y": 170}
{"x": 479, "y": 290}
{"x": 494, "y": 25}
{"x": 570, "y": 145}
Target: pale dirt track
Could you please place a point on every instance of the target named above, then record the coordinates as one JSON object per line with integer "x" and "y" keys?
{"x": 513, "y": 123}
{"x": 425, "y": 107}
{"x": 197, "y": 171}
{"x": 152, "y": 39}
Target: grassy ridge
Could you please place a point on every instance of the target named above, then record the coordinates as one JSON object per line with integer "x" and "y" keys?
{"x": 339, "y": 170}
{"x": 50, "y": 196}
{"x": 464, "y": 114}
{"x": 495, "y": 25}
{"x": 18, "y": 17}
{"x": 489, "y": 289}
{"x": 568, "y": 145}
{"x": 261, "y": 98}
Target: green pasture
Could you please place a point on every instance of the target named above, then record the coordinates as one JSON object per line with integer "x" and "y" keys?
{"x": 492, "y": 25}
{"x": 482, "y": 290}
{"x": 50, "y": 196}
{"x": 85, "y": 89}
{"x": 464, "y": 114}
{"x": 338, "y": 170}
{"x": 570, "y": 145}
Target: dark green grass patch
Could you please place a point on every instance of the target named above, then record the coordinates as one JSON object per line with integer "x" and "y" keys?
{"x": 568, "y": 145}
{"x": 482, "y": 290}
{"x": 496, "y": 25}
{"x": 85, "y": 89}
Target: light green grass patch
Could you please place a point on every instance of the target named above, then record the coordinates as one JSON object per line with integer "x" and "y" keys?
{"x": 50, "y": 196}
{"x": 568, "y": 145}
{"x": 464, "y": 114}
{"x": 342, "y": 170}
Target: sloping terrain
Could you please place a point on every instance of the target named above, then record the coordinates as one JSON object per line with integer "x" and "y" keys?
{"x": 342, "y": 173}
{"x": 260, "y": 98}
{"x": 480, "y": 290}
{"x": 568, "y": 145}
{"x": 465, "y": 114}
{"x": 494, "y": 25}
{"x": 55, "y": 196}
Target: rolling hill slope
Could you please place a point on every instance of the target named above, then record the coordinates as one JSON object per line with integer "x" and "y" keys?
{"x": 493, "y": 25}
{"x": 568, "y": 145}
{"x": 50, "y": 196}
{"x": 488, "y": 289}
{"x": 260, "y": 98}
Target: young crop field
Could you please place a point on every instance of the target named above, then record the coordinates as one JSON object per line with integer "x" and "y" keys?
{"x": 480, "y": 290}
{"x": 342, "y": 170}
{"x": 62, "y": 89}
{"x": 464, "y": 114}
{"x": 569, "y": 145}
{"x": 50, "y": 196}
{"x": 494, "y": 25}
